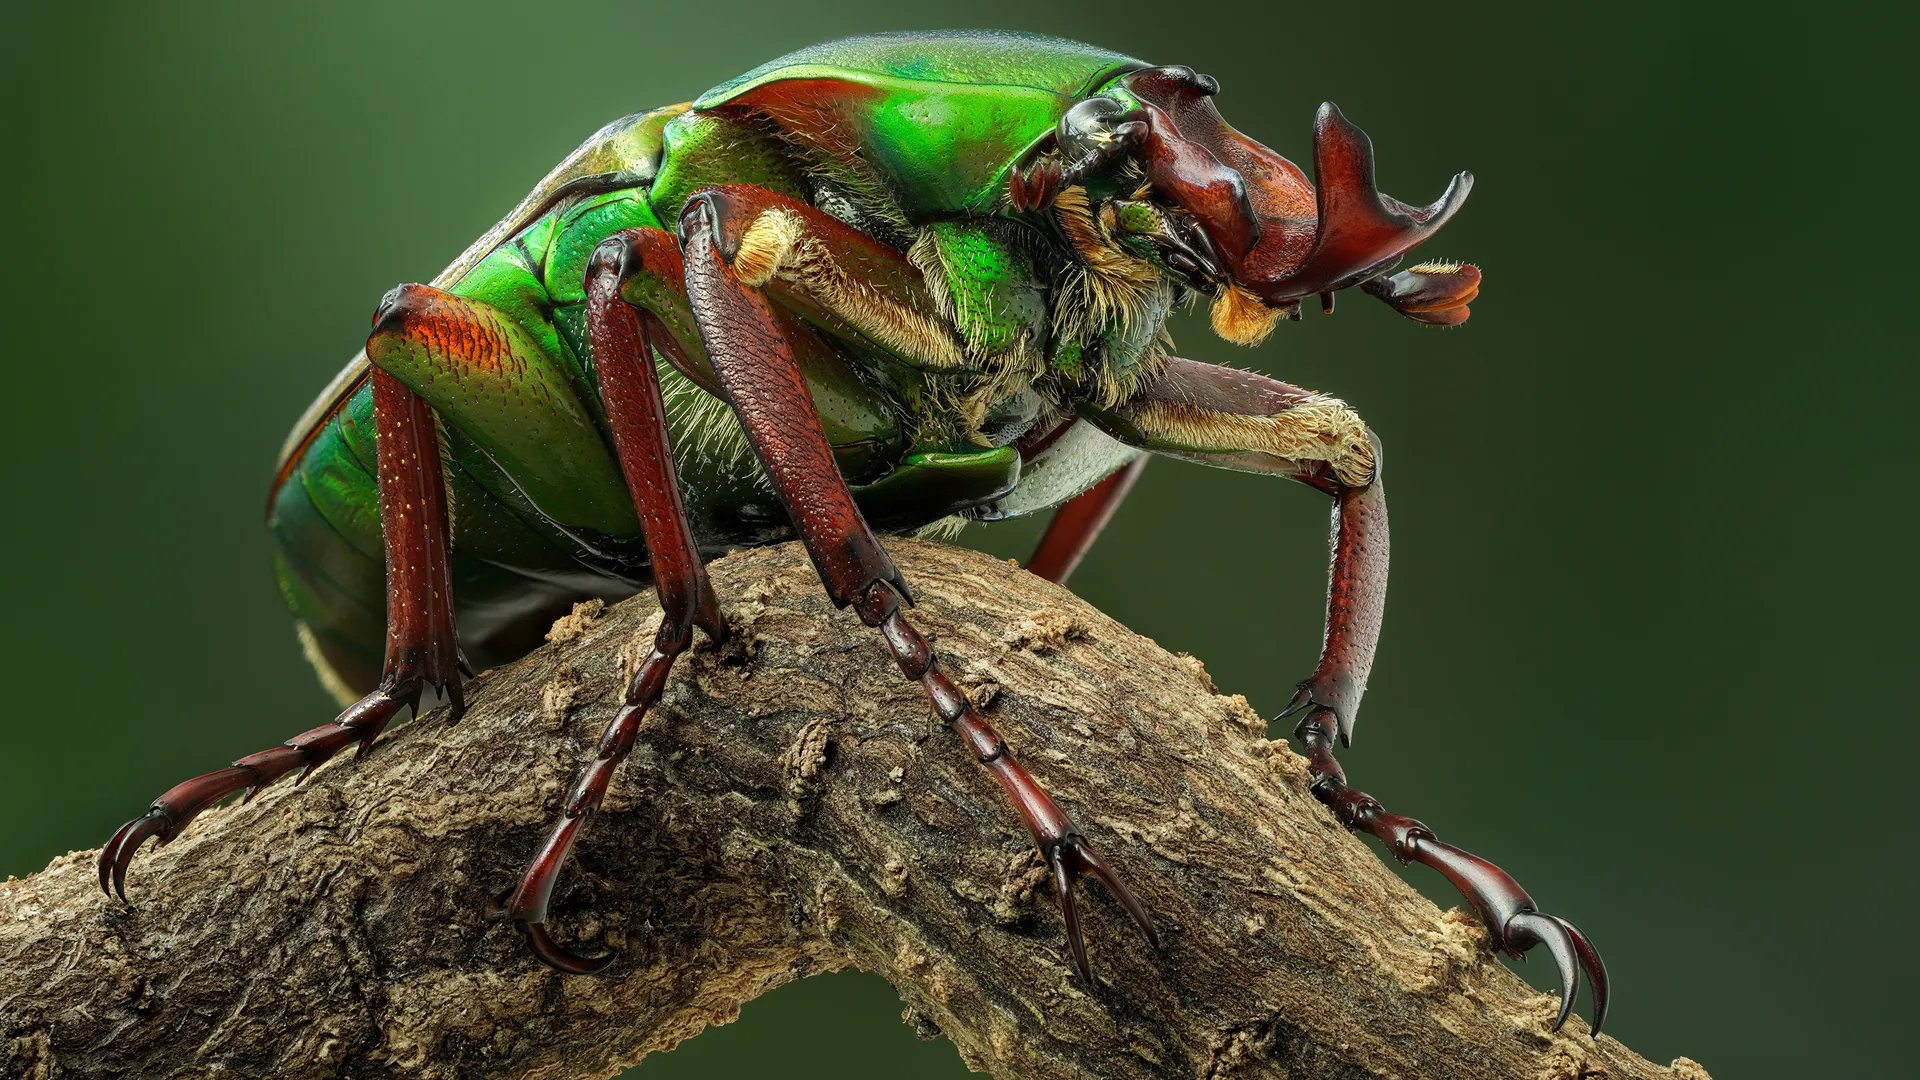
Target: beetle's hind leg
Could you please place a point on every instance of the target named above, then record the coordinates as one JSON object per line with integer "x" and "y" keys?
{"x": 421, "y": 651}
{"x": 755, "y": 363}
{"x": 623, "y": 337}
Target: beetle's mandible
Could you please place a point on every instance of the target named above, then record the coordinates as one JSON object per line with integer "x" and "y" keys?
{"x": 881, "y": 285}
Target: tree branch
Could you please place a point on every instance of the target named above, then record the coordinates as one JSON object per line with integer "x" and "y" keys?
{"x": 791, "y": 810}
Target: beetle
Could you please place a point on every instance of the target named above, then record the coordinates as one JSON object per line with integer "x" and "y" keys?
{"x": 878, "y": 286}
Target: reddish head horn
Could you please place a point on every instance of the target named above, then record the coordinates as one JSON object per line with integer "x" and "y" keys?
{"x": 1306, "y": 237}
{"x": 1360, "y": 230}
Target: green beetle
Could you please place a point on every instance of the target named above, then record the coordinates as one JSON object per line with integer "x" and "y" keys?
{"x": 881, "y": 285}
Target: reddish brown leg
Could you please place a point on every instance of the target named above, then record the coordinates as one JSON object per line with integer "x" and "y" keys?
{"x": 1510, "y": 915}
{"x": 421, "y": 650}
{"x": 756, "y": 367}
{"x": 1329, "y": 699}
{"x": 1077, "y": 524}
{"x": 622, "y": 337}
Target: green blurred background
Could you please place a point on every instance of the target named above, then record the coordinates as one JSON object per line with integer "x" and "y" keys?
{"x": 1652, "y": 507}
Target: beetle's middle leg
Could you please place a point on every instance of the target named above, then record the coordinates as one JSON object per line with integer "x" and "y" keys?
{"x": 756, "y": 367}
{"x": 421, "y": 649}
{"x": 623, "y": 338}
{"x": 1078, "y": 523}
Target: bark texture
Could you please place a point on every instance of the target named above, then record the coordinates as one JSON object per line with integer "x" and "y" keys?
{"x": 791, "y": 810}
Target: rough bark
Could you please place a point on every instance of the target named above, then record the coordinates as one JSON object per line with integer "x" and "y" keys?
{"x": 791, "y": 810}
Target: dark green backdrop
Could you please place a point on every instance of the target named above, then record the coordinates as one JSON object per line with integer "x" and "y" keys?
{"x": 1648, "y": 639}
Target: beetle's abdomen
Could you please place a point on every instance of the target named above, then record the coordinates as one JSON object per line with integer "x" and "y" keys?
{"x": 541, "y": 517}
{"x": 513, "y": 572}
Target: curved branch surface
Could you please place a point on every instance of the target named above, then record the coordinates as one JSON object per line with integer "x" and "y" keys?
{"x": 791, "y": 810}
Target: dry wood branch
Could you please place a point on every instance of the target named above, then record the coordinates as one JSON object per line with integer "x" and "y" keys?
{"x": 792, "y": 810}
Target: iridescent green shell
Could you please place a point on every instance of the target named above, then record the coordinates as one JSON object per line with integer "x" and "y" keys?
{"x": 939, "y": 115}
{"x": 934, "y": 119}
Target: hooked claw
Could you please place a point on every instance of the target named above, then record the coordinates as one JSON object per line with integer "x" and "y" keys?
{"x": 526, "y": 903}
{"x": 360, "y": 724}
{"x": 1516, "y": 923}
{"x": 1070, "y": 857}
{"x": 557, "y": 956}
{"x": 1571, "y": 951}
{"x": 169, "y": 814}
{"x": 1510, "y": 915}
{"x": 118, "y": 854}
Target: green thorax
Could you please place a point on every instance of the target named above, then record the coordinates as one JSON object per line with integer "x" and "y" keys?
{"x": 938, "y": 117}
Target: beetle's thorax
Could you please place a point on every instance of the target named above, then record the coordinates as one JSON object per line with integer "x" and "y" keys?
{"x": 1102, "y": 332}
{"x": 1110, "y": 307}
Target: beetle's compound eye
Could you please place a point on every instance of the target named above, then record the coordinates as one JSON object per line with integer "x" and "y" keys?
{"x": 1088, "y": 126}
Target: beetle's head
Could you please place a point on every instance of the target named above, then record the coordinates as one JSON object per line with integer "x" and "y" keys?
{"x": 1174, "y": 184}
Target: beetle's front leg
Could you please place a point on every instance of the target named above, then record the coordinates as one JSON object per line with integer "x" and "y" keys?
{"x": 421, "y": 650}
{"x": 1241, "y": 420}
{"x": 755, "y": 365}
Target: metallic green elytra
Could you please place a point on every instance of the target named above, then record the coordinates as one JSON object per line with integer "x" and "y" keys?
{"x": 926, "y": 128}
{"x": 940, "y": 117}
